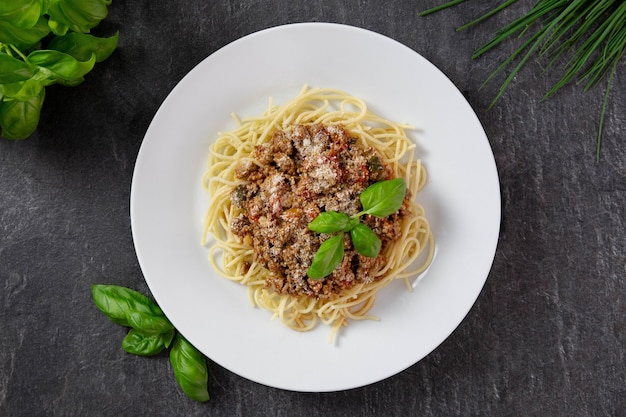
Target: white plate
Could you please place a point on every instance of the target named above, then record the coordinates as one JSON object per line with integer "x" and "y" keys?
{"x": 462, "y": 200}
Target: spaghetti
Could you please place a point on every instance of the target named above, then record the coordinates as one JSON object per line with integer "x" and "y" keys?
{"x": 233, "y": 161}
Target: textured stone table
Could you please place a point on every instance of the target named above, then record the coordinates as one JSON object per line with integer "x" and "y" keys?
{"x": 546, "y": 337}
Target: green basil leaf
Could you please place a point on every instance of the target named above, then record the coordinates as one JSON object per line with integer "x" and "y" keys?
{"x": 63, "y": 67}
{"x": 58, "y": 28}
{"x": 19, "y": 119}
{"x": 142, "y": 344}
{"x": 115, "y": 302}
{"x": 81, "y": 46}
{"x": 23, "y": 38}
{"x": 327, "y": 257}
{"x": 23, "y": 90}
{"x": 365, "y": 241}
{"x": 190, "y": 369}
{"x": 148, "y": 323}
{"x": 383, "y": 198}
{"x": 77, "y": 15}
{"x": 330, "y": 222}
{"x": 21, "y": 13}
{"x": 13, "y": 70}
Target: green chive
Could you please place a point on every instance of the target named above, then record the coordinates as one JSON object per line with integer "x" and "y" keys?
{"x": 592, "y": 33}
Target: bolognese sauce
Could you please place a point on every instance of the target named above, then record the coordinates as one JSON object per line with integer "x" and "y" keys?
{"x": 298, "y": 173}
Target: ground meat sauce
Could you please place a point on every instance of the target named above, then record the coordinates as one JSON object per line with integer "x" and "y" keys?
{"x": 299, "y": 173}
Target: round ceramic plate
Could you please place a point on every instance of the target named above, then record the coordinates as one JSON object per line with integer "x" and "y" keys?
{"x": 461, "y": 199}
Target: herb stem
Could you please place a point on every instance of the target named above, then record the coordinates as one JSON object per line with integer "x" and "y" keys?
{"x": 587, "y": 49}
{"x": 603, "y": 110}
{"x": 592, "y": 32}
{"x": 520, "y": 25}
{"x": 17, "y": 51}
{"x": 440, "y": 7}
{"x": 487, "y": 15}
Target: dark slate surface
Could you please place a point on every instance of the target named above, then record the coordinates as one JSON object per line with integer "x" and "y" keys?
{"x": 546, "y": 337}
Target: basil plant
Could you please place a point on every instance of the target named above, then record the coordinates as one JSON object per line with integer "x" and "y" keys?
{"x": 45, "y": 42}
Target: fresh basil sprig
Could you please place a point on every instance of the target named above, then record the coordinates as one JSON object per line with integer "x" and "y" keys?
{"x": 383, "y": 198}
{"x": 190, "y": 369}
{"x": 380, "y": 199}
{"x": 150, "y": 333}
{"x": 327, "y": 257}
{"x": 45, "y": 42}
{"x": 129, "y": 308}
{"x": 142, "y": 343}
{"x": 332, "y": 221}
{"x": 365, "y": 241}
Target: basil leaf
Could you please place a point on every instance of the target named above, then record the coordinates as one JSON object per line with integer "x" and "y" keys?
{"x": 14, "y": 70}
{"x": 58, "y": 28}
{"x": 383, "y": 198}
{"x": 23, "y": 90}
{"x": 327, "y": 257}
{"x": 115, "y": 302}
{"x": 62, "y": 66}
{"x": 23, "y": 38}
{"x": 148, "y": 323}
{"x": 21, "y": 13}
{"x": 81, "y": 46}
{"x": 142, "y": 344}
{"x": 365, "y": 241}
{"x": 19, "y": 119}
{"x": 330, "y": 222}
{"x": 77, "y": 15}
{"x": 190, "y": 369}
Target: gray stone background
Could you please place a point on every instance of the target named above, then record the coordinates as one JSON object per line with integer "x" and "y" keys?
{"x": 546, "y": 337}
